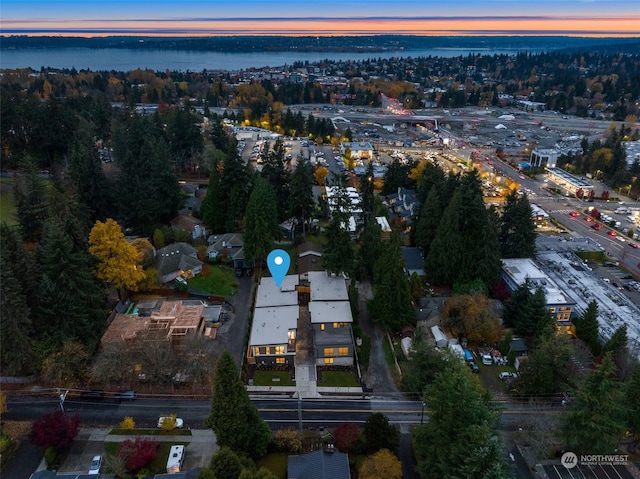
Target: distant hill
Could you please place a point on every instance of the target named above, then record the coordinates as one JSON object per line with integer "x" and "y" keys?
{"x": 374, "y": 43}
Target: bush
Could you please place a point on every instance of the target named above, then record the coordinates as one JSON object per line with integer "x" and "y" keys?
{"x": 287, "y": 440}
{"x": 50, "y": 456}
{"x": 137, "y": 453}
{"x": 128, "y": 423}
{"x": 5, "y": 443}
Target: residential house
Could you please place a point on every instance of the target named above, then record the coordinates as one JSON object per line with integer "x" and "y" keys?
{"x": 272, "y": 339}
{"x": 177, "y": 260}
{"x": 309, "y": 258}
{"x": 518, "y": 271}
{"x": 404, "y": 204}
{"x": 331, "y": 319}
{"x": 320, "y": 464}
{"x": 413, "y": 261}
{"x": 229, "y": 246}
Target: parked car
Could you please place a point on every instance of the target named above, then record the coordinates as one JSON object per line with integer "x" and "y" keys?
{"x": 125, "y": 396}
{"x": 507, "y": 375}
{"x": 179, "y": 421}
{"x": 92, "y": 395}
{"x": 96, "y": 464}
{"x": 474, "y": 367}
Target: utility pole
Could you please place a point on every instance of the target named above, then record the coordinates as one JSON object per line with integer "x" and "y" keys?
{"x": 299, "y": 412}
{"x": 62, "y": 398}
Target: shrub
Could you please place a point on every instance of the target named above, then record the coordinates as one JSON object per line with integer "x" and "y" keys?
{"x": 128, "y": 423}
{"x": 50, "y": 456}
{"x": 346, "y": 435}
{"x": 138, "y": 452}
{"x": 287, "y": 440}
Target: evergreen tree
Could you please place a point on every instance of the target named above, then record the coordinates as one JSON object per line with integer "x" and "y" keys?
{"x": 596, "y": 417}
{"x": 379, "y": 434}
{"x": 275, "y": 172}
{"x": 391, "y": 303}
{"x": 183, "y": 135}
{"x": 30, "y": 199}
{"x": 587, "y": 327}
{"x": 517, "y": 228}
{"x": 301, "y": 201}
{"x": 69, "y": 305}
{"x": 632, "y": 393}
{"x": 211, "y": 211}
{"x": 339, "y": 253}
{"x": 618, "y": 343}
{"x": 370, "y": 248}
{"x": 261, "y": 222}
{"x": 465, "y": 247}
{"x": 515, "y": 304}
{"x": 429, "y": 219}
{"x": 458, "y": 415}
{"x": 366, "y": 195}
{"x": 16, "y": 355}
{"x": 148, "y": 190}
{"x": 548, "y": 369}
{"x": 233, "y": 418}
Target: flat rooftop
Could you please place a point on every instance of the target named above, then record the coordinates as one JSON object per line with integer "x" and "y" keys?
{"x": 614, "y": 308}
{"x": 330, "y": 312}
{"x": 269, "y": 294}
{"x": 271, "y": 325}
{"x": 523, "y": 269}
{"x": 327, "y": 288}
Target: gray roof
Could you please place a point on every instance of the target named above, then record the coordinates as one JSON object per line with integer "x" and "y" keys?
{"x": 413, "y": 259}
{"x": 176, "y": 256}
{"x": 319, "y": 464}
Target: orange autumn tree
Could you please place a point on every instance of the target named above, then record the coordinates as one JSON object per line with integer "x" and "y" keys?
{"x": 119, "y": 262}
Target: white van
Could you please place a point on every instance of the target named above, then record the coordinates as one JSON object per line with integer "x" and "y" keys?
{"x": 486, "y": 360}
{"x": 176, "y": 458}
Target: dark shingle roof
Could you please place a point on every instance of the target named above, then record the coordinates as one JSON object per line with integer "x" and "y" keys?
{"x": 319, "y": 464}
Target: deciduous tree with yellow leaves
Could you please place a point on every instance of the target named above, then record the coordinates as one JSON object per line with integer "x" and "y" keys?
{"x": 119, "y": 262}
{"x": 383, "y": 463}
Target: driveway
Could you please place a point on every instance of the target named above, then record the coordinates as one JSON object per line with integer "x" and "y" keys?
{"x": 377, "y": 376}
{"x": 231, "y": 334}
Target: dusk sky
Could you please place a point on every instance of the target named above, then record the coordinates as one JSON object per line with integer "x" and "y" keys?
{"x": 327, "y": 17}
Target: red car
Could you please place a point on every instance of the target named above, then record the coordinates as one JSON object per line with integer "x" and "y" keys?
{"x": 597, "y": 226}
{"x": 588, "y": 219}
{"x": 634, "y": 245}
{"x": 612, "y": 233}
{"x": 573, "y": 214}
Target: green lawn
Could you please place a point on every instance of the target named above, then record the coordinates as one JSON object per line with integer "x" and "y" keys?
{"x": 265, "y": 378}
{"x": 7, "y": 208}
{"x": 276, "y": 463}
{"x": 221, "y": 282}
{"x": 338, "y": 379}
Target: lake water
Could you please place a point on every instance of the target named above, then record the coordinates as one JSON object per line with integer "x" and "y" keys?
{"x": 179, "y": 60}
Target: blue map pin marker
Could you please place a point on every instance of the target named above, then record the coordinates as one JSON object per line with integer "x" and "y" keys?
{"x": 278, "y": 262}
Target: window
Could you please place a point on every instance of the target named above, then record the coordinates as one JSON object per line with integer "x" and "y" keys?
{"x": 343, "y": 351}
{"x": 279, "y": 349}
{"x": 292, "y": 334}
{"x": 268, "y": 350}
{"x": 339, "y": 325}
{"x": 553, "y": 310}
{"x": 322, "y": 327}
{"x": 279, "y": 360}
{"x": 328, "y": 352}
{"x": 328, "y": 360}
